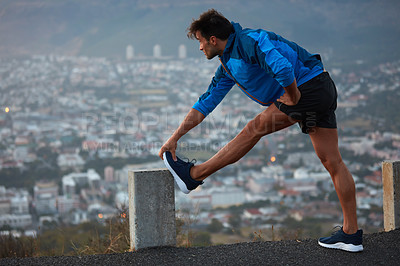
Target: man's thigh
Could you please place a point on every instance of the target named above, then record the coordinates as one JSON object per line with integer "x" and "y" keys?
{"x": 270, "y": 120}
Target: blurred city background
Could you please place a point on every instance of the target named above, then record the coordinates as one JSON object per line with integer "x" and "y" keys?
{"x": 92, "y": 89}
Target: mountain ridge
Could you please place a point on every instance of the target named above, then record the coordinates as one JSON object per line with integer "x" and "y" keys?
{"x": 357, "y": 30}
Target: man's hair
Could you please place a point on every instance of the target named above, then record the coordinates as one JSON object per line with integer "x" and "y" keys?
{"x": 210, "y": 23}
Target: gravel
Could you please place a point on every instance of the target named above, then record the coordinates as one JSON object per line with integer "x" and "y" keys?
{"x": 379, "y": 249}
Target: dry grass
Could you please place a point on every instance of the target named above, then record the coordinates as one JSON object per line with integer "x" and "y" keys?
{"x": 61, "y": 242}
{"x": 17, "y": 247}
{"x": 115, "y": 241}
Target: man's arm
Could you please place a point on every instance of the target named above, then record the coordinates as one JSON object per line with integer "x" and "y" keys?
{"x": 192, "y": 119}
{"x": 278, "y": 66}
{"x": 219, "y": 87}
{"x": 291, "y": 96}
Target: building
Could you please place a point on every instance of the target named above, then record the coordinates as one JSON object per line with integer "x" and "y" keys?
{"x": 65, "y": 204}
{"x": 304, "y": 185}
{"x": 14, "y": 201}
{"x": 217, "y": 197}
{"x": 67, "y": 161}
{"x": 72, "y": 181}
{"x": 228, "y": 197}
{"x": 20, "y": 204}
{"x": 45, "y": 197}
{"x": 130, "y": 52}
{"x": 109, "y": 174}
{"x": 157, "y": 51}
{"x": 260, "y": 185}
{"x": 15, "y": 220}
{"x": 80, "y": 216}
{"x": 182, "y": 53}
{"x": 5, "y": 206}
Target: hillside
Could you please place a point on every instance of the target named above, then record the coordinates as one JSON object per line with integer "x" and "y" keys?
{"x": 349, "y": 30}
{"x": 379, "y": 248}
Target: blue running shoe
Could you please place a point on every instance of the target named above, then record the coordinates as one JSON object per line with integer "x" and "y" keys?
{"x": 181, "y": 172}
{"x": 343, "y": 241}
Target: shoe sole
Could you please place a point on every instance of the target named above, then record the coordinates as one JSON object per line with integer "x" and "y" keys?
{"x": 178, "y": 180}
{"x": 343, "y": 246}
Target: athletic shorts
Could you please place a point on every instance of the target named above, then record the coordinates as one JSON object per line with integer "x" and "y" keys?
{"x": 317, "y": 104}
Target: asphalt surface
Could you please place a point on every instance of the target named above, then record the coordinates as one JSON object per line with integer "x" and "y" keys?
{"x": 379, "y": 249}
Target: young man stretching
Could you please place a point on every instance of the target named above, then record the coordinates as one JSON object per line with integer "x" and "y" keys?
{"x": 279, "y": 74}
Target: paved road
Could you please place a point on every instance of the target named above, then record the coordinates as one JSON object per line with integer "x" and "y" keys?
{"x": 379, "y": 249}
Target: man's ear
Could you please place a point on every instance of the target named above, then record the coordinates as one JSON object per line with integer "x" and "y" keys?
{"x": 213, "y": 40}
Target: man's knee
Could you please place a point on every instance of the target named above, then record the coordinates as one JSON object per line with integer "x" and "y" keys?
{"x": 268, "y": 122}
{"x": 330, "y": 162}
{"x": 257, "y": 127}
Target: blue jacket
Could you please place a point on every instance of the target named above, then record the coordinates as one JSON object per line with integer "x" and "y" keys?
{"x": 261, "y": 63}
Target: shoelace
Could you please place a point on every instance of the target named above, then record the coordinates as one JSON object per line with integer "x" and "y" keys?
{"x": 193, "y": 161}
{"x": 336, "y": 229}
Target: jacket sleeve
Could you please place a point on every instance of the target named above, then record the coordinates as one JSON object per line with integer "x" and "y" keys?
{"x": 271, "y": 60}
{"x": 220, "y": 85}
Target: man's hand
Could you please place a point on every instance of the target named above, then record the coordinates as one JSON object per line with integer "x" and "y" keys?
{"x": 170, "y": 146}
{"x": 290, "y": 100}
{"x": 291, "y": 96}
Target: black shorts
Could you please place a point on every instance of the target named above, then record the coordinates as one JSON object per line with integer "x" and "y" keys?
{"x": 317, "y": 105}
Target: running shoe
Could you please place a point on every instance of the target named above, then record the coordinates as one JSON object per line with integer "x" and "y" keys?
{"x": 343, "y": 241}
{"x": 181, "y": 173}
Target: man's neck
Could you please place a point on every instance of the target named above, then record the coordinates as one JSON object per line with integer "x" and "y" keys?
{"x": 221, "y": 46}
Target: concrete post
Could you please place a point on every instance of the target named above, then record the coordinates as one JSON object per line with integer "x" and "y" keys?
{"x": 391, "y": 194}
{"x": 151, "y": 209}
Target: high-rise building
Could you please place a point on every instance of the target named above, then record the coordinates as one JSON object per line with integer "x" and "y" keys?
{"x": 45, "y": 197}
{"x": 182, "y": 51}
{"x": 109, "y": 174}
{"x": 157, "y": 51}
{"x": 130, "y": 52}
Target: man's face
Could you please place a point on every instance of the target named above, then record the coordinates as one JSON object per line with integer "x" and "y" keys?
{"x": 208, "y": 48}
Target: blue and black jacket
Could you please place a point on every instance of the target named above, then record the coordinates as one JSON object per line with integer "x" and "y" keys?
{"x": 261, "y": 63}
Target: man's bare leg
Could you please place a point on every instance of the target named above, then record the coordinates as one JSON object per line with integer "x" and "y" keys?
{"x": 325, "y": 142}
{"x": 268, "y": 121}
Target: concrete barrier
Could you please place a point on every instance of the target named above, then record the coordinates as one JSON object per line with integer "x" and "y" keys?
{"x": 391, "y": 194}
{"x": 151, "y": 209}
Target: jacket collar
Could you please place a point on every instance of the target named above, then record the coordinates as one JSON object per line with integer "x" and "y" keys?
{"x": 231, "y": 38}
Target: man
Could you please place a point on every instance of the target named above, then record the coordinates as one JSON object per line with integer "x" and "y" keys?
{"x": 293, "y": 84}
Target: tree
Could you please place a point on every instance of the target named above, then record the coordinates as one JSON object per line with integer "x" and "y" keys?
{"x": 215, "y": 226}
{"x": 235, "y": 221}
